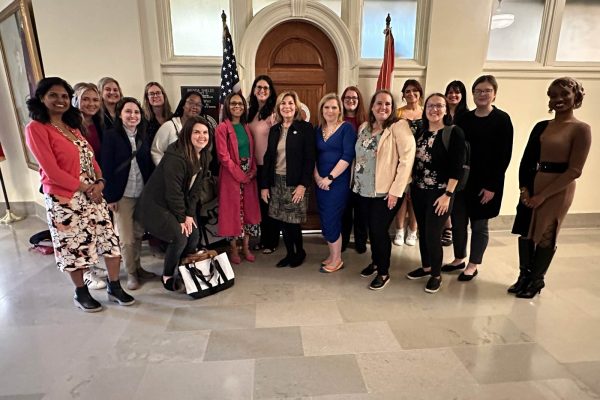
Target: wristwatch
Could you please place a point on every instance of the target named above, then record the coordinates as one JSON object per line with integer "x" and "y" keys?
{"x": 330, "y": 177}
{"x": 449, "y": 193}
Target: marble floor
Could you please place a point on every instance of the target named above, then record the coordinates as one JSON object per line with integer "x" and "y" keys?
{"x": 299, "y": 334}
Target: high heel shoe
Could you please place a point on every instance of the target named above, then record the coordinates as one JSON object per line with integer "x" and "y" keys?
{"x": 535, "y": 287}
{"x": 170, "y": 284}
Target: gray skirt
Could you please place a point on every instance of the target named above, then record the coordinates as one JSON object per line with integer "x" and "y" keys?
{"x": 281, "y": 206}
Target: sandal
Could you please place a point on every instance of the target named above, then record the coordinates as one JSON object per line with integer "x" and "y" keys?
{"x": 331, "y": 268}
{"x": 267, "y": 250}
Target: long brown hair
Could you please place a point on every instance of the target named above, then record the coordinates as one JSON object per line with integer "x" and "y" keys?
{"x": 392, "y": 118}
{"x": 360, "y": 114}
{"x": 185, "y": 142}
{"x": 147, "y": 108}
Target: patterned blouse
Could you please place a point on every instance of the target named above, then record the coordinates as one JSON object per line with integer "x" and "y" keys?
{"x": 423, "y": 174}
{"x": 365, "y": 163}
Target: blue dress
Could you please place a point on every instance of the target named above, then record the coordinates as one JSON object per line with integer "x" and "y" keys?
{"x": 332, "y": 202}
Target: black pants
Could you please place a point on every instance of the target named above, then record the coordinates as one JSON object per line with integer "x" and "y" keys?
{"x": 178, "y": 248}
{"x": 352, "y": 217}
{"x": 430, "y": 227}
{"x": 378, "y": 218}
{"x": 479, "y": 231}
{"x": 269, "y": 227}
{"x": 292, "y": 237}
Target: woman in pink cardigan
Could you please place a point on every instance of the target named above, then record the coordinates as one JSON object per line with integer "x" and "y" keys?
{"x": 239, "y": 213}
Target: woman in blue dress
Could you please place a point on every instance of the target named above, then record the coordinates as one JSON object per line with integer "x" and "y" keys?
{"x": 335, "y": 140}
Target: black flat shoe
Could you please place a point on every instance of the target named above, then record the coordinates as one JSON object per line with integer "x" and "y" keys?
{"x": 466, "y": 278}
{"x": 170, "y": 284}
{"x": 360, "y": 248}
{"x": 451, "y": 268}
{"x": 298, "y": 259}
{"x": 284, "y": 262}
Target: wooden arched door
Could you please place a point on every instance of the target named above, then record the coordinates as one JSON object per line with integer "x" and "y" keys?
{"x": 299, "y": 56}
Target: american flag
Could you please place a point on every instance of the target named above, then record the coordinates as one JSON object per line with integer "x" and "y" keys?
{"x": 230, "y": 81}
{"x": 387, "y": 66}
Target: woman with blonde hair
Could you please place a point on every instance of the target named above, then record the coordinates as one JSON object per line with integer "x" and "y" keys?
{"x": 111, "y": 93}
{"x": 287, "y": 174}
{"x": 335, "y": 140}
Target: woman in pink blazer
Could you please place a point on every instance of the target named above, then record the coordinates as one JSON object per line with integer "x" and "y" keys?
{"x": 239, "y": 212}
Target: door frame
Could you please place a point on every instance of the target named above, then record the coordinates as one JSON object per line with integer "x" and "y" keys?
{"x": 311, "y": 12}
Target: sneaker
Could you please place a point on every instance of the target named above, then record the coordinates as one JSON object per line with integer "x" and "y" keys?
{"x": 379, "y": 282}
{"x": 418, "y": 274}
{"x": 116, "y": 293}
{"x": 447, "y": 237}
{"x": 411, "y": 238}
{"x": 92, "y": 281}
{"x": 99, "y": 272}
{"x": 433, "y": 284}
{"x": 85, "y": 301}
{"x": 399, "y": 238}
{"x": 368, "y": 271}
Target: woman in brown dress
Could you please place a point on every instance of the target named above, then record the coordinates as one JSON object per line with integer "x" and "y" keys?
{"x": 554, "y": 157}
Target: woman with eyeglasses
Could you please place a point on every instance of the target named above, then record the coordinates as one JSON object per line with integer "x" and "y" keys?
{"x": 239, "y": 213}
{"x": 189, "y": 106}
{"x": 385, "y": 152}
{"x": 157, "y": 109}
{"x": 435, "y": 174}
{"x": 111, "y": 93}
{"x": 353, "y": 113}
{"x": 489, "y": 132}
{"x": 412, "y": 112}
{"x": 261, "y": 117}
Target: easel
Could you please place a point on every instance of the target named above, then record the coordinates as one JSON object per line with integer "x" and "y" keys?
{"x": 9, "y": 217}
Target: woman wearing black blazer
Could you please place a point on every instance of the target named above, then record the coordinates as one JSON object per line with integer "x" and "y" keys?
{"x": 127, "y": 166}
{"x": 489, "y": 132}
{"x": 287, "y": 173}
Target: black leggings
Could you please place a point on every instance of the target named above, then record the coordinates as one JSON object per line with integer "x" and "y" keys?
{"x": 292, "y": 237}
{"x": 179, "y": 247}
{"x": 430, "y": 227}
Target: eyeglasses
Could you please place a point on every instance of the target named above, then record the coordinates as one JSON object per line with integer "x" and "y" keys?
{"x": 262, "y": 88}
{"x": 191, "y": 104}
{"x": 236, "y": 104}
{"x": 154, "y": 94}
{"x": 351, "y": 98}
{"x": 436, "y": 106}
{"x": 477, "y": 92}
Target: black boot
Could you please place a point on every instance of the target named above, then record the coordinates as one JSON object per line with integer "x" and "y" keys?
{"x": 526, "y": 249}
{"x": 117, "y": 294}
{"x": 541, "y": 261}
{"x": 298, "y": 258}
{"x": 84, "y": 300}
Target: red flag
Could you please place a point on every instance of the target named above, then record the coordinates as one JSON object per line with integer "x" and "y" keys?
{"x": 387, "y": 66}
{"x": 2, "y": 156}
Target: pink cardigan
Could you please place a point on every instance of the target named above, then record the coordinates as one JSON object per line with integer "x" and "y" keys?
{"x": 58, "y": 158}
{"x": 230, "y": 178}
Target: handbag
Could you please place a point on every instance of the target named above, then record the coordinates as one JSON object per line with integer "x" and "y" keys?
{"x": 206, "y": 273}
{"x": 208, "y": 189}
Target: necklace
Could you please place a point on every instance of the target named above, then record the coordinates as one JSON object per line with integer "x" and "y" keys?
{"x": 71, "y": 137}
{"x": 328, "y": 132}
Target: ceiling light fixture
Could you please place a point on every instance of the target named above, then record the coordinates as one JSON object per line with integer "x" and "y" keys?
{"x": 500, "y": 20}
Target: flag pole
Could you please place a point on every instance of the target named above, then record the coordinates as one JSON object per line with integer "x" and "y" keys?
{"x": 9, "y": 217}
{"x": 386, "y": 72}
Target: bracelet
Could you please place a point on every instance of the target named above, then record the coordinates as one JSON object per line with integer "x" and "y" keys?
{"x": 449, "y": 193}
{"x": 100, "y": 180}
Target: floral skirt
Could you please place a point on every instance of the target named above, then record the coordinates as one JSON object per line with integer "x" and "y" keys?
{"x": 80, "y": 230}
{"x": 247, "y": 229}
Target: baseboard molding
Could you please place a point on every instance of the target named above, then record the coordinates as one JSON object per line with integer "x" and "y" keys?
{"x": 25, "y": 209}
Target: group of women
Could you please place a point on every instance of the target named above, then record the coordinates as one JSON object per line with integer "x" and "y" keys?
{"x": 102, "y": 153}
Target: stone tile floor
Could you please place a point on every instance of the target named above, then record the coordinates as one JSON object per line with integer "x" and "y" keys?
{"x": 299, "y": 334}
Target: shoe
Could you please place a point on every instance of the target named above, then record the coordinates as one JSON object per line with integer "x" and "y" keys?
{"x": 92, "y": 281}
{"x": 143, "y": 274}
{"x": 418, "y": 274}
{"x": 284, "y": 262}
{"x": 541, "y": 261}
{"x": 133, "y": 282}
{"x": 117, "y": 294}
{"x": 447, "y": 237}
{"x": 433, "y": 284}
{"x": 526, "y": 251}
{"x": 399, "y": 238}
{"x": 411, "y": 238}
{"x": 298, "y": 259}
{"x": 379, "y": 282}
{"x": 332, "y": 268}
{"x": 466, "y": 278}
{"x": 368, "y": 271}
{"x": 99, "y": 272}
{"x": 360, "y": 248}
{"x": 267, "y": 250}
{"x": 84, "y": 300}
{"x": 257, "y": 247}
{"x": 451, "y": 268}
{"x": 534, "y": 287}
{"x": 249, "y": 256}
{"x": 235, "y": 259}
{"x": 170, "y": 284}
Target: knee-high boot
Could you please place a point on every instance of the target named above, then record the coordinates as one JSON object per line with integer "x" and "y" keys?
{"x": 541, "y": 261}
{"x": 526, "y": 249}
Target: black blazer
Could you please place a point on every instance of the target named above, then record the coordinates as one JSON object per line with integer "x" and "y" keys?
{"x": 116, "y": 150}
{"x": 299, "y": 155}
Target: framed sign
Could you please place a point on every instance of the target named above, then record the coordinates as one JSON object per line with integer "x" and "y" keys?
{"x": 210, "y": 95}
{"x": 18, "y": 44}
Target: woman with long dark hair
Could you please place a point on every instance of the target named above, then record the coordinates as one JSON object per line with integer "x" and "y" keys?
{"x": 239, "y": 213}
{"x": 553, "y": 159}
{"x": 127, "y": 167}
{"x": 385, "y": 152}
{"x": 261, "y": 117}
{"x": 156, "y": 106}
{"x": 72, "y": 183}
{"x": 169, "y": 201}
{"x": 354, "y": 113}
